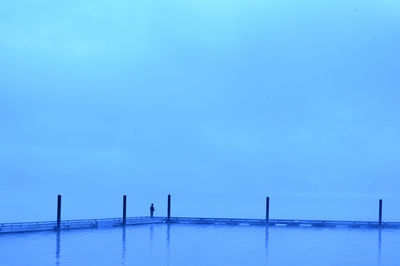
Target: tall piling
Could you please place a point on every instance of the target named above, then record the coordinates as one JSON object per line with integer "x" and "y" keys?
{"x": 169, "y": 208}
{"x": 58, "y": 212}
{"x": 267, "y": 211}
{"x": 380, "y": 212}
{"x": 124, "y": 210}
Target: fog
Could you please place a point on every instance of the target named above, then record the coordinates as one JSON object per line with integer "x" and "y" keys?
{"x": 219, "y": 103}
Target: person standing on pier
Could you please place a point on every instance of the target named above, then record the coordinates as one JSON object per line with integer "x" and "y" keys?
{"x": 152, "y": 209}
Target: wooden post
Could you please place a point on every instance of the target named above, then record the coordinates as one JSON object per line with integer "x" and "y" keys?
{"x": 169, "y": 208}
{"x": 58, "y": 212}
{"x": 267, "y": 211}
{"x": 380, "y": 212}
{"x": 124, "y": 211}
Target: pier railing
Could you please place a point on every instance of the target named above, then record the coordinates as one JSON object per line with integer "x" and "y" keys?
{"x": 117, "y": 222}
{"x": 77, "y": 224}
{"x": 284, "y": 222}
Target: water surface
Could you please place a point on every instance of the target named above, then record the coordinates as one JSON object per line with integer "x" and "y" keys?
{"x": 203, "y": 245}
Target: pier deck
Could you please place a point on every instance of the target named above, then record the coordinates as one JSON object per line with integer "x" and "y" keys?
{"x": 76, "y": 224}
{"x": 285, "y": 222}
{"x": 116, "y": 222}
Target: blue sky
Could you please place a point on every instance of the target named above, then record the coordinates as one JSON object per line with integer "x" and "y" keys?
{"x": 215, "y": 97}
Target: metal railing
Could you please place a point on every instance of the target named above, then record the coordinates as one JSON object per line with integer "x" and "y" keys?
{"x": 76, "y": 224}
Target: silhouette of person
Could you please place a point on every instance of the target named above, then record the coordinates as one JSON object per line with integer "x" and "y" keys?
{"x": 152, "y": 210}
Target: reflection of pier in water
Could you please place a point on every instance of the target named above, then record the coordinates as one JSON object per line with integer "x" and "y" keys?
{"x": 224, "y": 221}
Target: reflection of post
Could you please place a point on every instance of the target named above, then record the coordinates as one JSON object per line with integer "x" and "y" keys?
{"x": 379, "y": 246}
{"x": 266, "y": 244}
{"x": 168, "y": 242}
{"x": 58, "y": 248}
{"x": 123, "y": 257}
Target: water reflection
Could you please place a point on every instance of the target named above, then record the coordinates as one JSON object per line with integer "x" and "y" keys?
{"x": 151, "y": 236}
{"x": 266, "y": 254}
{"x": 266, "y": 243}
{"x": 58, "y": 248}
{"x": 379, "y": 246}
{"x": 123, "y": 257}
{"x": 168, "y": 243}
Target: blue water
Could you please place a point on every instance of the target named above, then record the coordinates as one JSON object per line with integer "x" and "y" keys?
{"x": 203, "y": 245}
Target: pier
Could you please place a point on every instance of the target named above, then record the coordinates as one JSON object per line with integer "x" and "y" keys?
{"x": 131, "y": 221}
{"x": 76, "y": 224}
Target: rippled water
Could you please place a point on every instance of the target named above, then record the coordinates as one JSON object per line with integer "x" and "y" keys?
{"x": 203, "y": 245}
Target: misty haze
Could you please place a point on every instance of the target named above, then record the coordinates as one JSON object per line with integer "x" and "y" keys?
{"x": 217, "y": 103}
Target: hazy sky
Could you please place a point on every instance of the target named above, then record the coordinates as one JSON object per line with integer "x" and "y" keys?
{"x": 220, "y": 97}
